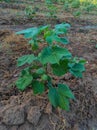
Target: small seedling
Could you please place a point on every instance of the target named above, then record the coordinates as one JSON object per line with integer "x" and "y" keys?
{"x": 30, "y": 11}
{"x": 52, "y": 9}
{"x": 52, "y": 59}
{"x": 77, "y": 13}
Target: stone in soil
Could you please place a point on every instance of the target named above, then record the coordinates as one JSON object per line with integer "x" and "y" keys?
{"x": 26, "y": 126}
{"x": 45, "y": 124}
{"x": 34, "y": 115}
{"x": 14, "y": 115}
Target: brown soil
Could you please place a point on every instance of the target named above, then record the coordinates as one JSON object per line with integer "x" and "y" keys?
{"x": 24, "y": 111}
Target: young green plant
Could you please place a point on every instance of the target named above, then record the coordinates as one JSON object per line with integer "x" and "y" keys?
{"x": 52, "y": 9}
{"x": 31, "y": 11}
{"x": 52, "y": 59}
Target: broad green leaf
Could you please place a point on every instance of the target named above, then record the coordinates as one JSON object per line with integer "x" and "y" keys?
{"x": 53, "y": 55}
{"x": 77, "y": 67}
{"x": 61, "y": 28}
{"x": 67, "y": 25}
{"x": 61, "y": 68}
{"x": 58, "y": 99}
{"x": 63, "y": 102}
{"x": 48, "y": 33}
{"x": 65, "y": 91}
{"x": 40, "y": 71}
{"x": 77, "y": 74}
{"x": 53, "y": 96}
{"x": 38, "y": 87}
{"x": 48, "y": 1}
{"x": 24, "y": 81}
{"x": 49, "y": 36}
{"x": 44, "y": 77}
{"x": 25, "y": 71}
{"x": 59, "y": 32}
{"x": 50, "y": 39}
{"x": 78, "y": 60}
{"x": 29, "y": 30}
{"x": 32, "y": 34}
{"x": 35, "y": 75}
{"x": 62, "y": 40}
{"x": 26, "y": 59}
{"x": 54, "y": 38}
{"x": 43, "y": 28}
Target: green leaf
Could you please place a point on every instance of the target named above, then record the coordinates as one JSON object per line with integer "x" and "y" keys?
{"x": 67, "y": 25}
{"x": 26, "y": 59}
{"x": 43, "y": 28}
{"x": 44, "y": 77}
{"x": 53, "y": 96}
{"x": 53, "y": 55}
{"x": 48, "y": 1}
{"x": 38, "y": 87}
{"x": 65, "y": 91}
{"x": 24, "y": 81}
{"x": 48, "y": 33}
{"x": 34, "y": 44}
{"x": 32, "y": 34}
{"x": 49, "y": 36}
{"x": 77, "y": 67}
{"x": 62, "y": 40}
{"x": 40, "y": 71}
{"x": 62, "y": 28}
{"x": 77, "y": 60}
{"x": 53, "y": 37}
{"x": 77, "y": 13}
{"x": 35, "y": 75}
{"x": 77, "y": 74}
{"x": 50, "y": 39}
{"x": 63, "y": 103}
{"x": 25, "y": 71}
{"x": 61, "y": 68}
{"x": 82, "y": 61}
{"x": 29, "y": 30}
{"x": 58, "y": 98}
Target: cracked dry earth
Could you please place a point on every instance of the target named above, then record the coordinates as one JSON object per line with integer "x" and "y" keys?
{"x": 24, "y": 111}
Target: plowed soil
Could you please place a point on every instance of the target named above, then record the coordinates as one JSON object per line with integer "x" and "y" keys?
{"x": 83, "y": 43}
